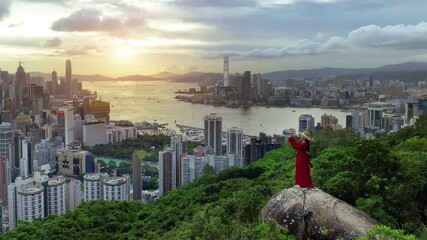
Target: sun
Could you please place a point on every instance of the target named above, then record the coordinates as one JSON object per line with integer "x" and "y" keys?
{"x": 123, "y": 52}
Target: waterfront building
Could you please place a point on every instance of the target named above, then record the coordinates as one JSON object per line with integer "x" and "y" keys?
{"x": 137, "y": 177}
{"x": 94, "y": 132}
{"x": 246, "y": 88}
{"x": 115, "y": 189}
{"x": 56, "y": 195}
{"x": 100, "y": 109}
{"x": 73, "y": 162}
{"x": 66, "y": 124}
{"x": 30, "y": 202}
{"x": 306, "y": 123}
{"x": 226, "y": 74}
{"x": 213, "y": 133}
{"x": 167, "y": 171}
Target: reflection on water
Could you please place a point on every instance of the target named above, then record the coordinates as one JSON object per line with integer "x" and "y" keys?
{"x": 154, "y": 101}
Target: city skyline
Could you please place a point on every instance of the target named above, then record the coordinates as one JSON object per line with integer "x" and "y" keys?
{"x": 126, "y": 37}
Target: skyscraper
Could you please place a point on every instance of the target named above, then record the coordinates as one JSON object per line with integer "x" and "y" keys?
{"x": 225, "y": 75}
{"x": 213, "y": 133}
{"x": 235, "y": 141}
{"x": 246, "y": 88}
{"x": 422, "y": 105}
{"x": 136, "y": 177}
{"x": 68, "y": 76}
{"x": 306, "y": 123}
{"x": 179, "y": 146}
{"x": 66, "y": 124}
{"x": 54, "y": 83}
{"x": 167, "y": 171}
{"x": 115, "y": 189}
{"x": 56, "y": 191}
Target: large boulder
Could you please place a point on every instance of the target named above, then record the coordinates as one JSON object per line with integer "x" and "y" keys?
{"x": 314, "y": 214}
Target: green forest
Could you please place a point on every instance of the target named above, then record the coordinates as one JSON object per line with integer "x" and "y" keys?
{"x": 387, "y": 178}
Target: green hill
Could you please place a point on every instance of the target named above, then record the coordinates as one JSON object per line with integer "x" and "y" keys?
{"x": 384, "y": 177}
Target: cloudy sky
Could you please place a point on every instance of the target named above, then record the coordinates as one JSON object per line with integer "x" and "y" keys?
{"x": 124, "y": 37}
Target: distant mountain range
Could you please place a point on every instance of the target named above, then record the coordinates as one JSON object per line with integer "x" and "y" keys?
{"x": 404, "y": 71}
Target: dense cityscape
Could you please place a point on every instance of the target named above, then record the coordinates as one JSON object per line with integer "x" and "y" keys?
{"x": 48, "y": 125}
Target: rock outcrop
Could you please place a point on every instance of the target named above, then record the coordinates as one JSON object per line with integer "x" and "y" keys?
{"x": 314, "y": 214}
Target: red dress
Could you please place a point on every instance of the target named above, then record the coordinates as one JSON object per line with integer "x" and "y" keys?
{"x": 302, "y": 171}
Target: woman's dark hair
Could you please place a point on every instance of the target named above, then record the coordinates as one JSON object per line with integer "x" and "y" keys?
{"x": 308, "y": 145}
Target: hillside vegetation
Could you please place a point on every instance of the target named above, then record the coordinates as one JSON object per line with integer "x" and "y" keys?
{"x": 387, "y": 178}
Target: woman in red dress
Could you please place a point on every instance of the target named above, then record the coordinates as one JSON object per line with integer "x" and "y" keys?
{"x": 303, "y": 164}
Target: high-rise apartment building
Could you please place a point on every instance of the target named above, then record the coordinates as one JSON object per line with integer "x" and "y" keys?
{"x": 422, "y": 105}
{"x": 306, "y": 123}
{"x": 115, "y": 189}
{"x": 66, "y": 124}
{"x": 235, "y": 141}
{"x": 137, "y": 177}
{"x": 56, "y": 192}
{"x": 328, "y": 120}
{"x": 213, "y": 133}
{"x": 30, "y": 190}
{"x": 94, "y": 132}
{"x": 167, "y": 171}
{"x": 411, "y": 111}
{"x": 30, "y": 202}
{"x": 375, "y": 119}
{"x": 73, "y": 194}
{"x": 92, "y": 186}
{"x": 179, "y": 146}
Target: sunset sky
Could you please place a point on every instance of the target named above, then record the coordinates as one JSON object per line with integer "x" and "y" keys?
{"x": 124, "y": 37}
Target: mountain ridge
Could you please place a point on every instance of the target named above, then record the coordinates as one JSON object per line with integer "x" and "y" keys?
{"x": 204, "y": 77}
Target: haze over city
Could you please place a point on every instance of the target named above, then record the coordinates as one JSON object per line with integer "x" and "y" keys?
{"x": 116, "y": 38}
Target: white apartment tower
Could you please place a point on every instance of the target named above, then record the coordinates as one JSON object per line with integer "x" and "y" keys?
{"x": 73, "y": 194}
{"x": 226, "y": 75}
{"x": 115, "y": 189}
{"x": 30, "y": 202}
{"x": 213, "y": 133}
{"x": 66, "y": 124}
{"x": 56, "y": 192}
{"x": 92, "y": 186}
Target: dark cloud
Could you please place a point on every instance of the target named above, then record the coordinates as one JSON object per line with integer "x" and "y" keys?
{"x": 4, "y": 8}
{"x": 54, "y": 42}
{"x": 87, "y": 20}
